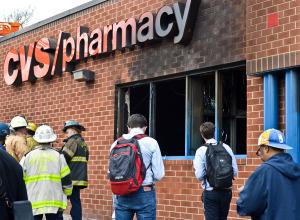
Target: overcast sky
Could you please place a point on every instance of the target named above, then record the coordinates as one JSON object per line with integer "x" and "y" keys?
{"x": 42, "y": 9}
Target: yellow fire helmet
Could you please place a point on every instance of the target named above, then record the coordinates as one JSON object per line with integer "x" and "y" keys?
{"x": 31, "y": 126}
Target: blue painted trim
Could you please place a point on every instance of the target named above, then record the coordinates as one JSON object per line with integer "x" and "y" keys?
{"x": 240, "y": 156}
{"x": 237, "y": 156}
{"x": 217, "y": 97}
{"x": 292, "y": 91}
{"x": 271, "y": 107}
{"x": 178, "y": 157}
{"x": 187, "y": 117}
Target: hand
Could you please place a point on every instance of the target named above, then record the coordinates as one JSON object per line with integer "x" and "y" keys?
{"x": 240, "y": 189}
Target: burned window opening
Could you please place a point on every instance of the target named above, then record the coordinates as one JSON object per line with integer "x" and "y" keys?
{"x": 175, "y": 109}
{"x": 170, "y": 117}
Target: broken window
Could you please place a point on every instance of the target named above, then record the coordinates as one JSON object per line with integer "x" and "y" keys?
{"x": 170, "y": 117}
{"x": 175, "y": 109}
{"x": 233, "y": 125}
{"x": 201, "y": 105}
{"x": 133, "y": 100}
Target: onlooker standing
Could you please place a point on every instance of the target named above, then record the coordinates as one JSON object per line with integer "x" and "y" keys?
{"x": 16, "y": 142}
{"x": 31, "y": 143}
{"x": 273, "y": 190}
{"x": 216, "y": 195}
{"x": 4, "y": 131}
{"x": 47, "y": 177}
{"x": 76, "y": 153}
{"x": 11, "y": 184}
{"x": 142, "y": 202}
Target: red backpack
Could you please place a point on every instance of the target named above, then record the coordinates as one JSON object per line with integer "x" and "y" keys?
{"x": 126, "y": 167}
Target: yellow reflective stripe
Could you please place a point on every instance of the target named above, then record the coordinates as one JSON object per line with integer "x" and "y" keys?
{"x": 79, "y": 159}
{"x": 65, "y": 171}
{"x": 37, "y": 178}
{"x": 79, "y": 183}
{"x": 42, "y": 204}
{"x": 68, "y": 151}
{"x": 68, "y": 192}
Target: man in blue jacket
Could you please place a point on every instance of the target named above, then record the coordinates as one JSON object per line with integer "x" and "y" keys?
{"x": 272, "y": 192}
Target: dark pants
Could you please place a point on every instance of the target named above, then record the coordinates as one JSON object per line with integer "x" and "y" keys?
{"x": 142, "y": 203}
{"x": 76, "y": 210}
{"x": 58, "y": 216}
{"x": 216, "y": 204}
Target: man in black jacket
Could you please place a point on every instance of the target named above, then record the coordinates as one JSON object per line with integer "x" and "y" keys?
{"x": 12, "y": 185}
{"x": 76, "y": 153}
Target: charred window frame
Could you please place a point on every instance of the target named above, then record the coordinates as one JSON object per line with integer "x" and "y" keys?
{"x": 218, "y": 96}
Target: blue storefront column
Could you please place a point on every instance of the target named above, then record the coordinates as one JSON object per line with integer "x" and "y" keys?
{"x": 270, "y": 101}
{"x": 292, "y": 111}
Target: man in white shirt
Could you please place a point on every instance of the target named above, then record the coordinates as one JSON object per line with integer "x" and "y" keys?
{"x": 142, "y": 202}
{"x": 216, "y": 201}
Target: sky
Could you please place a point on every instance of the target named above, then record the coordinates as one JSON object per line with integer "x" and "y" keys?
{"x": 42, "y": 9}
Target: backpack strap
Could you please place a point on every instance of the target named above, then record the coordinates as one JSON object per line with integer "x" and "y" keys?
{"x": 205, "y": 177}
{"x": 138, "y": 137}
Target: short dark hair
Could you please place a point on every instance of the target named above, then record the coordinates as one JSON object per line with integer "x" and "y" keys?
{"x": 207, "y": 130}
{"x": 137, "y": 121}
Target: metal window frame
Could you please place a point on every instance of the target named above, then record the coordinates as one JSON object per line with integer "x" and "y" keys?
{"x": 152, "y": 104}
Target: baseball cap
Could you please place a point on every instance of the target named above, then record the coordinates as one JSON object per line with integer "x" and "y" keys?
{"x": 273, "y": 138}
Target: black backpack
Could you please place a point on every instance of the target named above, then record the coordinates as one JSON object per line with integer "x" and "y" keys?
{"x": 219, "y": 171}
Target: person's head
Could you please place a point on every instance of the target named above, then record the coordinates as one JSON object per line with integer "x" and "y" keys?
{"x": 137, "y": 121}
{"x": 31, "y": 128}
{"x": 44, "y": 135}
{"x": 4, "y": 131}
{"x": 270, "y": 143}
{"x": 19, "y": 124}
{"x": 72, "y": 127}
{"x": 207, "y": 130}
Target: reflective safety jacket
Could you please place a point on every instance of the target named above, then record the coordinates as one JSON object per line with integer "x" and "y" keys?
{"x": 16, "y": 146}
{"x": 31, "y": 143}
{"x": 76, "y": 153}
{"x": 47, "y": 178}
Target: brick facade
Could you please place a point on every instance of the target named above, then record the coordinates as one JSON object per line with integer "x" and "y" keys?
{"x": 272, "y": 45}
{"x": 219, "y": 38}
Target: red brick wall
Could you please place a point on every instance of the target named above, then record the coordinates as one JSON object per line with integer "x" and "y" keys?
{"x": 272, "y": 47}
{"x": 219, "y": 38}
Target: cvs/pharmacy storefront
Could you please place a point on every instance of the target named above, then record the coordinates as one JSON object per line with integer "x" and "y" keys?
{"x": 179, "y": 63}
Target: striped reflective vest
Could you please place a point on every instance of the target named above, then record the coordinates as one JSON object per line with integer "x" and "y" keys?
{"x": 76, "y": 153}
{"x": 47, "y": 178}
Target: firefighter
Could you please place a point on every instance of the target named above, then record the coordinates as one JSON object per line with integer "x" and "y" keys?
{"x": 47, "y": 176}
{"x": 76, "y": 153}
{"x": 15, "y": 143}
{"x": 31, "y": 128}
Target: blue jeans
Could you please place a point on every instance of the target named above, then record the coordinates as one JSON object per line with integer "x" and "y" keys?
{"x": 142, "y": 203}
{"x": 216, "y": 204}
{"x": 76, "y": 210}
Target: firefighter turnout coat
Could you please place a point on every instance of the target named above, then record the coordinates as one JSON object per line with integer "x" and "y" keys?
{"x": 76, "y": 153}
{"x": 47, "y": 178}
{"x": 16, "y": 146}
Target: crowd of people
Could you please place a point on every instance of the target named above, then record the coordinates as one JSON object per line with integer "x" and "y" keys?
{"x": 34, "y": 170}
{"x": 47, "y": 177}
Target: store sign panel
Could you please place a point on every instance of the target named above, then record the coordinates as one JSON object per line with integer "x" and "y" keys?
{"x": 48, "y": 57}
